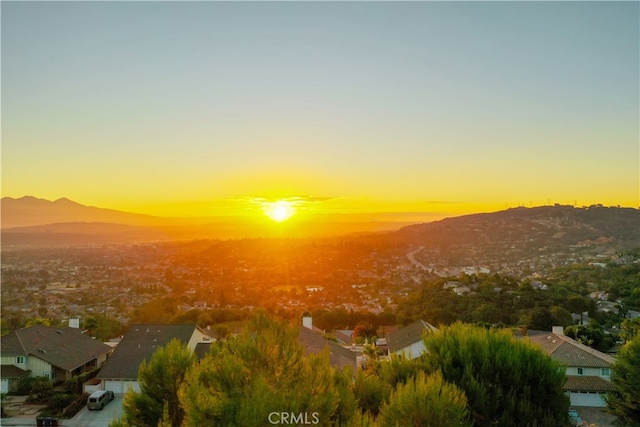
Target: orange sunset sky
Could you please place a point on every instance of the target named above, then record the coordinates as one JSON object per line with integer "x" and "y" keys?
{"x": 215, "y": 108}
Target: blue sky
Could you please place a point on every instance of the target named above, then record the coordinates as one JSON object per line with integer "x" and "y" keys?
{"x": 146, "y": 106}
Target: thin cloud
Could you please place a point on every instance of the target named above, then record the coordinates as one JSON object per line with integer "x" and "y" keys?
{"x": 441, "y": 202}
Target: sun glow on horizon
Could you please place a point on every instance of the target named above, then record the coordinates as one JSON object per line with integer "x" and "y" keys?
{"x": 280, "y": 210}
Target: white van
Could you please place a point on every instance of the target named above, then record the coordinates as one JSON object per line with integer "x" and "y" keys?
{"x": 99, "y": 399}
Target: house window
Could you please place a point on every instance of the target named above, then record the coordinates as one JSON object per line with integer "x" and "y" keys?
{"x": 20, "y": 360}
{"x": 605, "y": 372}
{"x": 580, "y": 371}
{"x": 50, "y": 375}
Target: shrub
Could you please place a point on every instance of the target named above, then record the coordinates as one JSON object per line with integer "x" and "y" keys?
{"x": 23, "y": 386}
{"x": 426, "y": 401}
{"x": 41, "y": 390}
{"x": 75, "y": 406}
{"x": 59, "y": 401}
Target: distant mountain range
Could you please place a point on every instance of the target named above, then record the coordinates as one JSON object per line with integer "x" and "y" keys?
{"x": 32, "y": 221}
{"x": 29, "y": 220}
{"x": 30, "y": 211}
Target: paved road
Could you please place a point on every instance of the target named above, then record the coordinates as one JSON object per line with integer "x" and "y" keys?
{"x": 101, "y": 418}
{"x": 595, "y": 416}
{"x": 415, "y": 262}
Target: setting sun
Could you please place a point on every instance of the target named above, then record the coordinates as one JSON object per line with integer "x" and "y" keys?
{"x": 280, "y": 210}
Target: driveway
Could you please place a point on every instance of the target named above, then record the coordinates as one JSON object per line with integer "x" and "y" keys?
{"x": 595, "y": 417}
{"x": 99, "y": 418}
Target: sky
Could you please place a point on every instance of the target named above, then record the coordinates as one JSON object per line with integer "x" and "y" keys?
{"x": 209, "y": 108}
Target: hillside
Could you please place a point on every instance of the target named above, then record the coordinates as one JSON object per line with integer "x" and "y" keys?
{"x": 541, "y": 225}
{"x": 503, "y": 236}
{"x": 520, "y": 235}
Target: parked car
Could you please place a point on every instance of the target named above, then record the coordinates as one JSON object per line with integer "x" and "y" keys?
{"x": 574, "y": 417}
{"x": 99, "y": 399}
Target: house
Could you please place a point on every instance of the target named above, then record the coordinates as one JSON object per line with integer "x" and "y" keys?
{"x": 55, "y": 353}
{"x": 339, "y": 357}
{"x": 312, "y": 342}
{"x": 408, "y": 340}
{"x": 588, "y": 370}
{"x": 599, "y": 295}
{"x": 580, "y": 318}
{"x": 461, "y": 290}
{"x": 344, "y": 336}
{"x": 11, "y": 374}
{"x": 139, "y": 343}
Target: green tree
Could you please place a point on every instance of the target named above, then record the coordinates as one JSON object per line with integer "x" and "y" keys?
{"x": 222, "y": 331}
{"x": 427, "y": 401}
{"x": 592, "y": 335}
{"x": 629, "y": 328}
{"x": 487, "y": 313}
{"x": 103, "y": 327}
{"x": 90, "y": 323}
{"x": 540, "y": 319}
{"x": 165, "y": 421}
{"x": 371, "y": 392}
{"x": 507, "y": 382}
{"x": 625, "y": 400}
{"x": 577, "y": 304}
{"x": 560, "y": 316}
{"x": 263, "y": 370}
{"x": 159, "y": 381}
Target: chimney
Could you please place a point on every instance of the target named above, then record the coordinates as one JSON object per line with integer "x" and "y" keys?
{"x": 307, "y": 322}
{"x": 558, "y": 330}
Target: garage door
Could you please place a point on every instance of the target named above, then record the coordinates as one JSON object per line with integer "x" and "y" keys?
{"x": 114, "y": 386}
{"x": 126, "y": 385}
{"x": 587, "y": 399}
{"x": 121, "y": 386}
{"x": 4, "y": 386}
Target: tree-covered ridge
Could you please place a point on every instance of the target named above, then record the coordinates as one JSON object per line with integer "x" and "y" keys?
{"x": 470, "y": 376}
{"x": 532, "y": 227}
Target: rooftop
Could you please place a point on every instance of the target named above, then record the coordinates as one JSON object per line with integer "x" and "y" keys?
{"x": 408, "y": 335}
{"x": 587, "y": 383}
{"x": 138, "y": 344}
{"x": 339, "y": 356}
{"x": 570, "y": 352}
{"x": 65, "y": 348}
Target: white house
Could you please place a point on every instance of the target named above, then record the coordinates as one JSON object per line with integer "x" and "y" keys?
{"x": 588, "y": 370}
{"x": 408, "y": 340}
{"x": 43, "y": 351}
